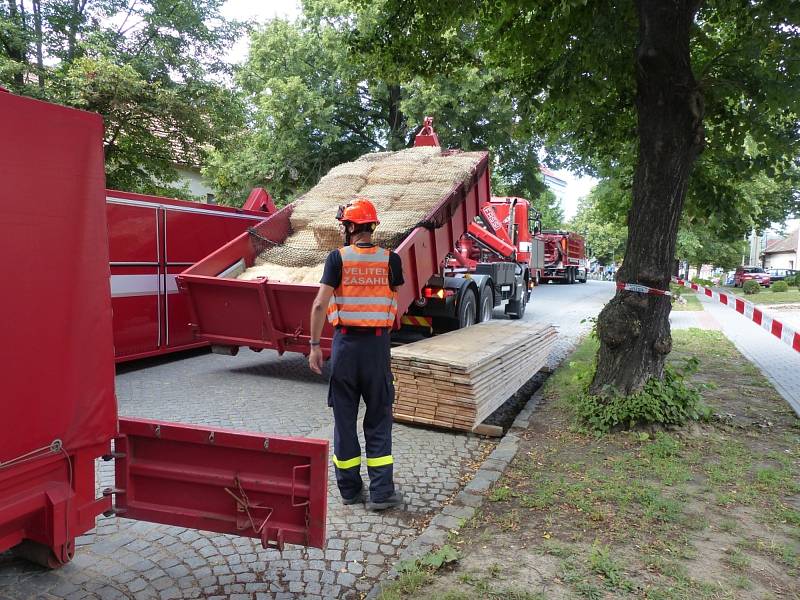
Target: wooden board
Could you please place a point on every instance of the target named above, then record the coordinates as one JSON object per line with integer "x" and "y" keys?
{"x": 456, "y": 380}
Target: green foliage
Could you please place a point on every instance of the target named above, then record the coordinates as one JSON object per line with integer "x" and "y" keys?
{"x": 500, "y": 494}
{"x": 703, "y": 282}
{"x": 751, "y": 287}
{"x": 780, "y": 286}
{"x": 315, "y": 102}
{"x": 571, "y": 66}
{"x": 605, "y": 235}
{"x": 703, "y": 245}
{"x": 151, "y": 68}
{"x": 667, "y": 401}
{"x": 441, "y": 557}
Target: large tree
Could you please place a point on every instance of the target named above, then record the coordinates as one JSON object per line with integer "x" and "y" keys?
{"x": 647, "y": 86}
{"x": 312, "y": 104}
{"x": 153, "y": 69}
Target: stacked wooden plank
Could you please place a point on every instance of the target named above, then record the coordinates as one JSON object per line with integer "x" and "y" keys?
{"x": 456, "y": 380}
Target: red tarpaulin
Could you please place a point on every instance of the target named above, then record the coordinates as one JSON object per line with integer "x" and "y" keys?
{"x": 56, "y": 355}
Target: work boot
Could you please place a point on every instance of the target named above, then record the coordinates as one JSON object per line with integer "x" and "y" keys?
{"x": 357, "y": 499}
{"x": 392, "y": 501}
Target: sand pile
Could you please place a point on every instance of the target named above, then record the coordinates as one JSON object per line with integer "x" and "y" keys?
{"x": 404, "y": 186}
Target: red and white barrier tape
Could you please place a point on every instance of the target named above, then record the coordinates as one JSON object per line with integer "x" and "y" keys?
{"x": 748, "y": 309}
{"x": 642, "y": 289}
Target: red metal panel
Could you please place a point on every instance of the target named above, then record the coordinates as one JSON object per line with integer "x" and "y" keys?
{"x": 269, "y": 487}
{"x": 192, "y": 233}
{"x": 160, "y": 237}
{"x": 136, "y": 297}
{"x": 177, "y": 325}
{"x": 133, "y": 233}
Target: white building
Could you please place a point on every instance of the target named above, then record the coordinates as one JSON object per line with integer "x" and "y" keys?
{"x": 553, "y": 182}
{"x": 782, "y": 253}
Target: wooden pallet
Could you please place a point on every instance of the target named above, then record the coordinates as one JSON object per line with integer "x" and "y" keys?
{"x": 456, "y": 380}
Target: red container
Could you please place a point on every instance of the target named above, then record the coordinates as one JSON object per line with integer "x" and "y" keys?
{"x": 265, "y": 314}
{"x": 151, "y": 240}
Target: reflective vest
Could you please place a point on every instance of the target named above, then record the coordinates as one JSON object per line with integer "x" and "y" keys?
{"x": 363, "y": 298}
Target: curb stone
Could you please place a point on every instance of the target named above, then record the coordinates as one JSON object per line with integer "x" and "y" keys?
{"x": 469, "y": 499}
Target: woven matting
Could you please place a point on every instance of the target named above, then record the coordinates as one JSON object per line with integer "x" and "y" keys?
{"x": 404, "y": 186}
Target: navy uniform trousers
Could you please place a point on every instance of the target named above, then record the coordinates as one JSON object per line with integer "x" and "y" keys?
{"x": 361, "y": 367}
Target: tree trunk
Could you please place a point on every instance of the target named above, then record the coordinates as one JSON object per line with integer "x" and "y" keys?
{"x": 72, "y": 30}
{"x": 37, "y": 27}
{"x": 397, "y": 120}
{"x": 16, "y": 47}
{"x": 634, "y": 328}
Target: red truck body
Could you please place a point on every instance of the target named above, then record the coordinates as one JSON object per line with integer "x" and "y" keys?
{"x": 60, "y": 413}
{"x": 456, "y": 273}
{"x": 152, "y": 239}
{"x": 271, "y": 314}
{"x": 564, "y": 256}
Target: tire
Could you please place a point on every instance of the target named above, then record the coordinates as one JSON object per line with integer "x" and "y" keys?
{"x": 570, "y": 275}
{"x": 516, "y": 308}
{"x": 585, "y": 277}
{"x": 467, "y": 309}
{"x": 486, "y": 305}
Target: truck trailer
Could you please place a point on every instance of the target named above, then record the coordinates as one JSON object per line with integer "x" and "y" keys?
{"x": 58, "y": 406}
{"x": 152, "y": 239}
{"x": 470, "y": 255}
{"x": 564, "y": 256}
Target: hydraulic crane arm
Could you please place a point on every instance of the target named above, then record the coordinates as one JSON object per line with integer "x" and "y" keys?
{"x": 491, "y": 242}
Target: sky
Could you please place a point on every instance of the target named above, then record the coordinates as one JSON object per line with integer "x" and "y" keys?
{"x": 262, "y": 10}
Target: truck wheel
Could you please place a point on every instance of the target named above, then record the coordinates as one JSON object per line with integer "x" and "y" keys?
{"x": 467, "y": 309}
{"x": 569, "y": 278}
{"x": 43, "y": 555}
{"x": 585, "y": 277}
{"x": 516, "y": 308}
{"x": 486, "y": 305}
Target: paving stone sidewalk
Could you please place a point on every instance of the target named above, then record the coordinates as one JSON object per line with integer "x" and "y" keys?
{"x": 278, "y": 395}
{"x": 777, "y": 360}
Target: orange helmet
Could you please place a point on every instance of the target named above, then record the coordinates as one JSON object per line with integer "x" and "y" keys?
{"x": 358, "y": 211}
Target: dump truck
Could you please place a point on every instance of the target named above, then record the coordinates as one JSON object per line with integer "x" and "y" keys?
{"x": 152, "y": 239}
{"x": 57, "y": 399}
{"x": 564, "y": 256}
{"x": 470, "y": 254}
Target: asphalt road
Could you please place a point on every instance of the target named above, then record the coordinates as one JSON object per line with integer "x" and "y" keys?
{"x": 279, "y": 395}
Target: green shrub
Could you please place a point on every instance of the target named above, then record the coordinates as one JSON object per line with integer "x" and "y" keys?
{"x": 667, "y": 401}
{"x": 703, "y": 282}
{"x": 780, "y": 286}
{"x": 751, "y": 287}
{"x": 794, "y": 280}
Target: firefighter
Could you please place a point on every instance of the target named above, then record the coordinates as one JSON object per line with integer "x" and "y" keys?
{"x": 358, "y": 293}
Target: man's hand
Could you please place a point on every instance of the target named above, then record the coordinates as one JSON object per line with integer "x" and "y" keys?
{"x": 315, "y": 360}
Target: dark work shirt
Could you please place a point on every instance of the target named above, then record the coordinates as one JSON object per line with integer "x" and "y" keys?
{"x": 332, "y": 275}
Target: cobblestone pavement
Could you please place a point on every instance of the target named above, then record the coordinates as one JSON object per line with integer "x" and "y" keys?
{"x": 279, "y": 395}
{"x": 777, "y": 360}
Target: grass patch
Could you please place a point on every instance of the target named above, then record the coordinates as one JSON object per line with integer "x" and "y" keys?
{"x": 656, "y": 513}
{"x": 767, "y": 296}
{"x": 687, "y": 294}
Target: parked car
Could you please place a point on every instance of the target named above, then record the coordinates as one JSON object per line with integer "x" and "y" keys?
{"x": 751, "y": 273}
{"x": 781, "y": 274}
